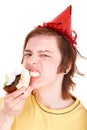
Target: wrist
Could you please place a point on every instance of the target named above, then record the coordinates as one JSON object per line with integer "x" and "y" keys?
{"x": 5, "y": 121}
{"x": 5, "y": 115}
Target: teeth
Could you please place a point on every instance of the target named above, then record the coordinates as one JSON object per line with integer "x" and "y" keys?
{"x": 34, "y": 74}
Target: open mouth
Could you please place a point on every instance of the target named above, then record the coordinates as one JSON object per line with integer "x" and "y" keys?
{"x": 34, "y": 74}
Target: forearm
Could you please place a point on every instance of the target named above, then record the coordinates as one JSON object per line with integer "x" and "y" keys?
{"x": 12, "y": 105}
{"x": 5, "y": 121}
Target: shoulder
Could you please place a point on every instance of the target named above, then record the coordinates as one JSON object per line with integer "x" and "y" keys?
{"x": 81, "y": 111}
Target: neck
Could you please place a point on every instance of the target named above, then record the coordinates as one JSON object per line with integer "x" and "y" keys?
{"x": 52, "y": 98}
{"x": 51, "y": 95}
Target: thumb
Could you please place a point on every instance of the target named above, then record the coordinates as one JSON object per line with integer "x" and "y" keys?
{"x": 28, "y": 91}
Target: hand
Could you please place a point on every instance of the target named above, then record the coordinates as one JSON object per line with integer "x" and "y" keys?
{"x": 13, "y": 102}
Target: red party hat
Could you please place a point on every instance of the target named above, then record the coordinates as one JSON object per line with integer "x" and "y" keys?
{"x": 62, "y": 23}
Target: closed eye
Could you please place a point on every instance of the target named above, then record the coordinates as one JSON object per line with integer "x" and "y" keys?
{"x": 27, "y": 54}
{"x": 44, "y": 55}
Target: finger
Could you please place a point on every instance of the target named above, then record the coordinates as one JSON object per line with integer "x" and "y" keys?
{"x": 19, "y": 99}
{"x": 16, "y": 93}
{"x": 16, "y": 101}
{"x": 29, "y": 89}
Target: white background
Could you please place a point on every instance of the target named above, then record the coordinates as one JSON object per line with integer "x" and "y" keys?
{"x": 18, "y": 17}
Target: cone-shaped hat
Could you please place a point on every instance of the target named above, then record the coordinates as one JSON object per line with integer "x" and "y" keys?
{"x": 62, "y": 24}
{"x": 64, "y": 18}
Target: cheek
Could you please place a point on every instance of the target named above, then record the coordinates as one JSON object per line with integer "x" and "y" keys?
{"x": 25, "y": 64}
{"x": 50, "y": 69}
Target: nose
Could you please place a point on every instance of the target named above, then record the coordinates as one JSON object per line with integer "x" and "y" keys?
{"x": 33, "y": 60}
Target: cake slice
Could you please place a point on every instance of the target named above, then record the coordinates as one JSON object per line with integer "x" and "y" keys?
{"x": 17, "y": 79}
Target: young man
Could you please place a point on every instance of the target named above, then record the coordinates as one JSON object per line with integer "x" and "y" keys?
{"x": 50, "y": 54}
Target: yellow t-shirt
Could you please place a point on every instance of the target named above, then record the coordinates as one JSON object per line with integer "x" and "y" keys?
{"x": 35, "y": 116}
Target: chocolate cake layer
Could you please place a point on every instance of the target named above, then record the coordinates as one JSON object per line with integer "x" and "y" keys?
{"x": 11, "y": 88}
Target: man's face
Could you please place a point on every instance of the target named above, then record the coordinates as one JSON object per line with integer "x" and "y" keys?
{"x": 42, "y": 57}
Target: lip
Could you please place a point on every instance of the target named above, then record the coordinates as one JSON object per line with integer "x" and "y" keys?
{"x": 34, "y": 78}
{"x": 34, "y": 73}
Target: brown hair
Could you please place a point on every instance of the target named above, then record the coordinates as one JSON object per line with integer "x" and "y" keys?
{"x": 68, "y": 53}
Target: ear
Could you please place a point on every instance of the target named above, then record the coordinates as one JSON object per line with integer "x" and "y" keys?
{"x": 68, "y": 68}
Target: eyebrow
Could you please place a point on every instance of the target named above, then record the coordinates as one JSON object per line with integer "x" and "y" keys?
{"x": 40, "y": 51}
{"x": 43, "y": 51}
{"x": 26, "y": 50}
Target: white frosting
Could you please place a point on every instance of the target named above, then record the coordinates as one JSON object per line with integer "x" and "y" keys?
{"x": 24, "y": 79}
